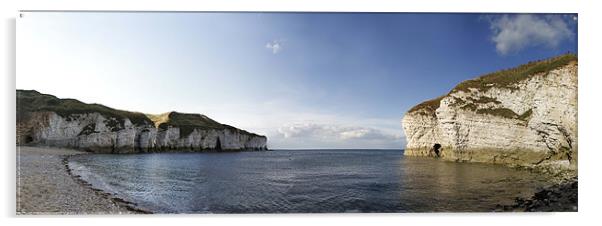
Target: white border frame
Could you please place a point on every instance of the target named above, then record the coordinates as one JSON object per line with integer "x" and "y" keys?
{"x": 589, "y": 78}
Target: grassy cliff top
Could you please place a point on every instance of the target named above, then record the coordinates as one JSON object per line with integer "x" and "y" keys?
{"x": 33, "y": 101}
{"x": 177, "y": 119}
{"x": 188, "y": 122}
{"x": 502, "y": 79}
{"x": 429, "y": 105}
{"x": 507, "y": 77}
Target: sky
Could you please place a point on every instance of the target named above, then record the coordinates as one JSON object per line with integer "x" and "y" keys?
{"x": 305, "y": 80}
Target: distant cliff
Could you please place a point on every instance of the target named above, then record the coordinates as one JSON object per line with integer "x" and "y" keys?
{"x": 46, "y": 120}
{"x": 523, "y": 116}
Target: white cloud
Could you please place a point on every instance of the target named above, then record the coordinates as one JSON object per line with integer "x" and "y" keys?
{"x": 282, "y": 117}
{"x": 512, "y": 33}
{"x": 275, "y": 46}
{"x": 334, "y": 132}
{"x": 333, "y": 135}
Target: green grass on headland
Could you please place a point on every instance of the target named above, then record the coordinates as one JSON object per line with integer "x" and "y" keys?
{"x": 499, "y": 79}
{"x": 429, "y": 106}
{"x": 31, "y": 101}
{"x": 505, "y": 78}
{"x": 189, "y": 122}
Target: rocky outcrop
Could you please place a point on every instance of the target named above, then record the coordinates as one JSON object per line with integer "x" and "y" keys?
{"x": 46, "y": 120}
{"x": 525, "y": 116}
{"x": 561, "y": 197}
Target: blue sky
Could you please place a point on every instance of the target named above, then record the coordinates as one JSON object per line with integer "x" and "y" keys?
{"x": 306, "y": 80}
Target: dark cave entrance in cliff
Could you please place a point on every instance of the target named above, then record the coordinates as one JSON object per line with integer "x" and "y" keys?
{"x": 218, "y": 144}
{"x": 28, "y": 139}
{"x": 437, "y": 149}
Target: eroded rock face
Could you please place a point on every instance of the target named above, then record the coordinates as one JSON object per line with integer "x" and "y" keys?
{"x": 531, "y": 122}
{"x": 97, "y": 133}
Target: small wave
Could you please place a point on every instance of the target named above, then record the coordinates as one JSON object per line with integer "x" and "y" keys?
{"x": 93, "y": 179}
{"x": 87, "y": 178}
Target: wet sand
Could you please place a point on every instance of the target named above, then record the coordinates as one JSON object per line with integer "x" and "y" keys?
{"x": 44, "y": 186}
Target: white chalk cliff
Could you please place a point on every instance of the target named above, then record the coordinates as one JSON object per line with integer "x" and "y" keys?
{"x": 46, "y": 120}
{"x": 525, "y": 116}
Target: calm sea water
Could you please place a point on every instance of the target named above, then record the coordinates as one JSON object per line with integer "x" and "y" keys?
{"x": 293, "y": 181}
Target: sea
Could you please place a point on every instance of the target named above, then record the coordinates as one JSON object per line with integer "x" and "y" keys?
{"x": 303, "y": 181}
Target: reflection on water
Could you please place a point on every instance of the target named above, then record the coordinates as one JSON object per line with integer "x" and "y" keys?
{"x": 303, "y": 181}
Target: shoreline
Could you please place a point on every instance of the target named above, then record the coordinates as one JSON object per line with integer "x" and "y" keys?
{"x": 561, "y": 195}
{"x": 558, "y": 197}
{"x": 45, "y": 186}
{"x": 130, "y": 206}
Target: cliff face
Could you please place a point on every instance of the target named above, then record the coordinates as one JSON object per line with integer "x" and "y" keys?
{"x": 46, "y": 120}
{"x": 523, "y": 116}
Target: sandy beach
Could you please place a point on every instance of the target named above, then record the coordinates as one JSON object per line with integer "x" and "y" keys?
{"x": 44, "y": 186}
